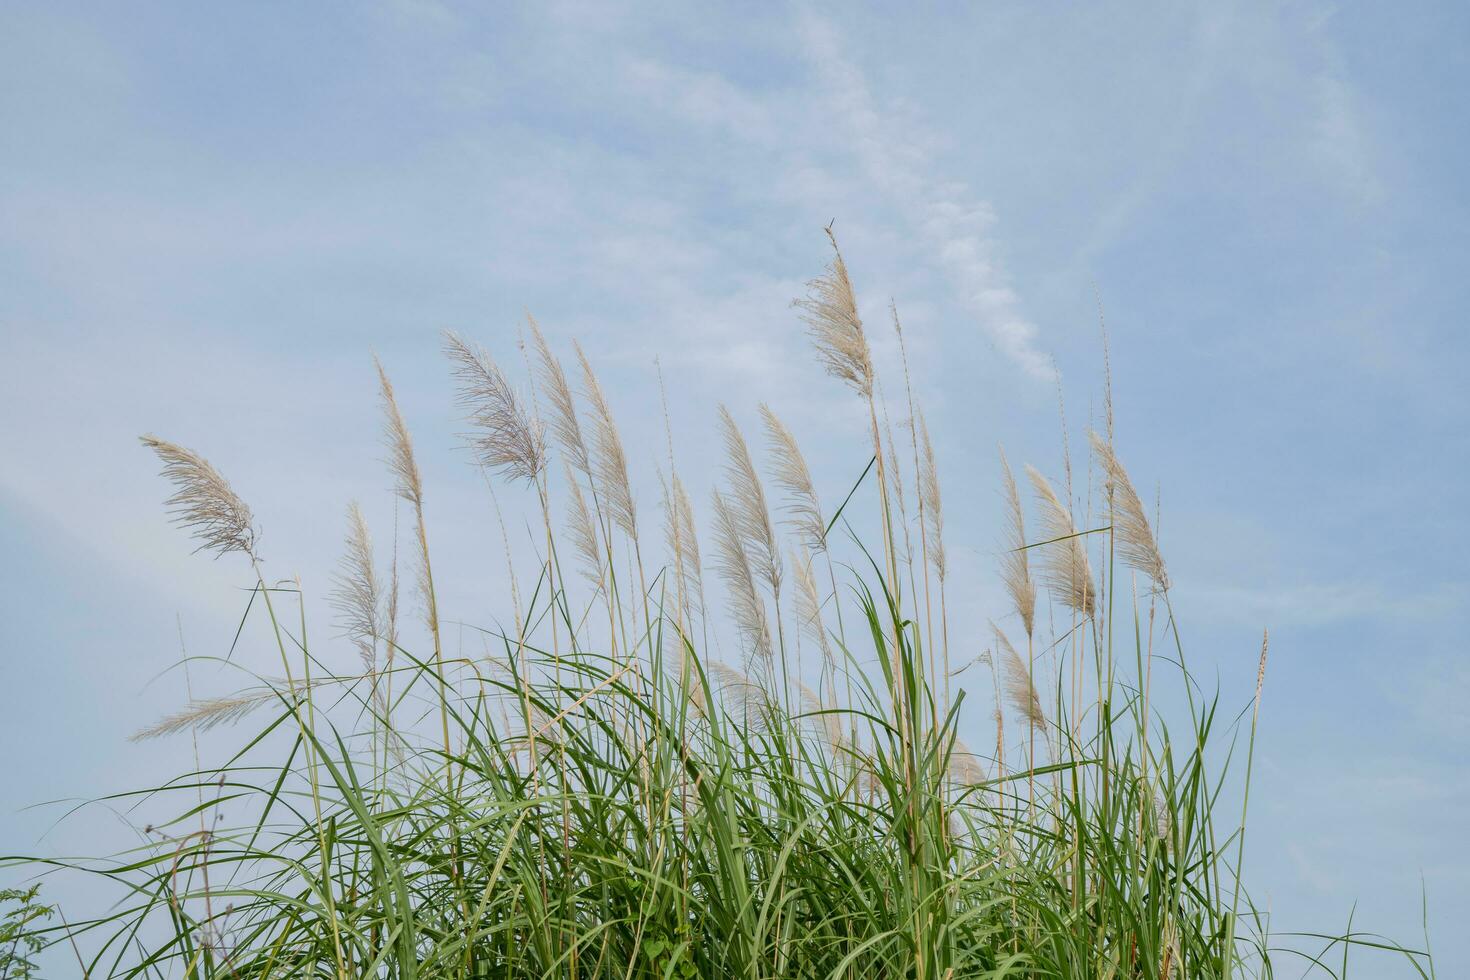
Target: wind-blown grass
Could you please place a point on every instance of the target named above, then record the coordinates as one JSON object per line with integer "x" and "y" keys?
{"x": 597, "y": 795}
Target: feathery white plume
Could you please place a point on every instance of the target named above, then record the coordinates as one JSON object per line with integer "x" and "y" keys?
{"x": 611, "y": 462}
{"x": 803, "y": 508}
{"x": 509, "y": 440}
{"x": 1131, "y": 531}
{"x": 203, "y": 502}
{"x": 830, "y": 311}
{"x": 1064, "y": 559}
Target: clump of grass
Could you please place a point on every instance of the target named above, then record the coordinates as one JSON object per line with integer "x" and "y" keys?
{"x": 597, "y": 795}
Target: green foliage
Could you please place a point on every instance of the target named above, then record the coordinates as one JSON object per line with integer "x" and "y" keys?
{"x": 20, "y": 912}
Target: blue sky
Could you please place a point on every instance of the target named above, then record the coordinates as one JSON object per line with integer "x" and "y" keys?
{"x": 211, "y": 215}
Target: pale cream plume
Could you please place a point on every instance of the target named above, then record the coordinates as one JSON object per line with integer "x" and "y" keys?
{"x": 683, "y": 543}
{"x": 611, "y": 463}
{"x": 989, "y": 659}
{"x": 564, "y": 421}
{"x": 689, "y": 535}
{"x": 408, "y": 483}
{"x": 733, "y": 563}
{"x": 203, "y": 502}
{"x": 411, "y": 488}
{"x": 748, "y": 499}
{"x": 893, "y": 470}
{"x": 1132, "y": 533}
{"x": 803, "y": 508}
{"x": 830, "y": 311}
{"x": 679, "y": 662}
{"x": 829, "y": 722}
{"x": 203, "y": 714}
{"x": 933, "y": 513}
{"x": 358, "y": 596}
{"x": 583, "y": 530}
{"x": 1064, "y": 559}
{"x": 537, "y": 727}
{"x": 809, "y": 610}
{"x": 1019, "y": 690}
{"x": 1015, "y": 560}
{"x": 933, "y": 503}
{"x": 831, "y": 314}
{"x": 391, "y": 618}
{"x": 964, "y": 766}
{"x": 509, "y": 440}
{"x": 738, "y": 691}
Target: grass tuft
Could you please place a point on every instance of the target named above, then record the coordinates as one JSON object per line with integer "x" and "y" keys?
{"x": 596, "y": 795}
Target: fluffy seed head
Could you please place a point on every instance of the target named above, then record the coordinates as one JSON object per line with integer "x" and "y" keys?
{"x": 831, "y": 315}
{"x": 1015, "y": 562}
{"x": 683, "y": 541}
{"x": 743, "y": 698}
{"x": 748, "y": 500}
{"x": 1064, "y": 559}
{"x": 733, "y": 563}
{"x": 1019, "y": 689}
{"x": 206, "y": 713}
{"x": 933, "y": 502}
{"x": 803, "y": 509}
{"x": 809, "y": 609}
{"x": 1132, "y": 534}
{"x": 611, "y": 461}
{"x": 508, "y": 440}
{"x": 203, "y": 502}
{"x": 408, "y": 484}
{"x": 357, "y": 597}
{"x": 964, "y": 766}
{"x": 563, "y": 408}
{"x": 829, "y": 722}
{"x": 583, "y": 530}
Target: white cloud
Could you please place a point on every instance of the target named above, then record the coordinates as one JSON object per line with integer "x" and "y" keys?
{"x": 956, "y": 226}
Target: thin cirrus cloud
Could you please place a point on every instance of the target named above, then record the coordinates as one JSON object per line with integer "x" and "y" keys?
{"x": 859, "y": 141}
{"x": 956, "y": 227}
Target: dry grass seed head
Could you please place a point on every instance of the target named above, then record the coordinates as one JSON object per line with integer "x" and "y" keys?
{"x": 933, "y": 502}
{"x": 742, "y": 697}
{"x": 752, "y": 515}
{"x": 678, "y": 658}
{"x": 509, "y": 441}
{"x": 688, "y": 531}
{"x": 683, "y": 541}
{"x": 1015, "y": 558}
{"x": 1064, "y": 559}
{"x": 564, "y": 422}
{"x": 828, "y": 722}
{"x": 611, "y": 461}
{"x": 1019, "y": 690}
{"x": 203, "y": 502}
{"x": 803, "y": 508}
{"x": 408, "y": 484}
{"x": 1133, "y": 535}
{"x": 203, "y": 714}
{"x": 831, "y": 315}
{"x": 583, "y": 530}
{"x": 357, "y": 596}
{"x": 809, "y": 608}
{"x": 747, "y": 607}
{"x": 964, "y": 766}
